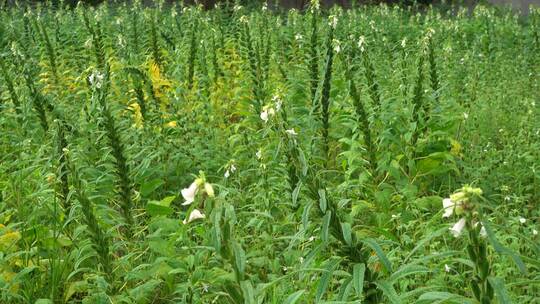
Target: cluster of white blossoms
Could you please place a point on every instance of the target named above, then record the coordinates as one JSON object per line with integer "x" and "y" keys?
{"x": 332, "y": 21}
{"x": 267, "y": 112}
{"x": 361, "y": 43}
{"x": 96, "y": 79}
{"x": 190, "y": 193}
{"x": 459, "y": 203}
{"x": 230, "y": 170}
{"x": 337, "y": 46}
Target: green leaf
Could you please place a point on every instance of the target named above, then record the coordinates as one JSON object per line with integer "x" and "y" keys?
{"x": 500, "y": 290}
{"x": 239, "y": 259}
{"x": 389, "y": 291}
{"x": 358, "y": 278}
{"x": 346, "y": 229}
{"x": 43, "y": 301}
{"x": 322, "y": 200}
{"x": 325, "y": 278}
{"x": 247, "y": 292}
{"x": 326, "y": 225}
{"x": 294, "y": 297}
{"x": 443, "y": 297}
{"x": 154, "y": 208}
{"x": 150, "y": 186}
{"x": 407, "y": 270}
{"x": 380, "y": 254}
{"x": 503, "y": 250}
{"x": 295, "y": 193}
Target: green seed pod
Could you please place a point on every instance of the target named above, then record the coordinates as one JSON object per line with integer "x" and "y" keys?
{"x": 475, "y": 289}
{"x": 489, "y": 290}
{"x": 472, "y": 253}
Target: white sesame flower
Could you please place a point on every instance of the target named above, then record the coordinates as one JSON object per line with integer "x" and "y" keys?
{"x": 361, "y": 43}
{"x": 194, "y": 215}
{"x": 446, "y": 268}
{"x": 465, "y": 115}
{"x": 404, "y": 42}
{"x": 448, "y": 207}
{"x": 333, "y": 21}
{"x": 535, "y": 232}
{"x": 311, "y": 239}
{"x": 291, "y": 132}
{"x": 452, "y": 204}
{"x": 522, "y": 220}
{"x": 457, "y": 229}
{"x": 244, "y": 19}
{"x": 266, "y": 113}
{"x": 337, "y": 45}
{"x": 298, "y": 37}
{"x": 233, "y": 168}
{"x": 259, "y": 154}
{"x": 227, "y": 173}
{"x": 483, "y": 232}
{"x": 189, "y": 193}
{"x": 264, "y": 116}
{"x": 96, "y": 79}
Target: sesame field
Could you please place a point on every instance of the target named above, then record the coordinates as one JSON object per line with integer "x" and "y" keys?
{"x": 252, "y": 154}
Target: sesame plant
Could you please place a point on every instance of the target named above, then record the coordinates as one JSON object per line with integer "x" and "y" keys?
{"x": 248, "y": 153}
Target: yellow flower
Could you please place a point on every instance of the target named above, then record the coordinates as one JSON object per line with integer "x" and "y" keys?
{"x": 172, "y": 124}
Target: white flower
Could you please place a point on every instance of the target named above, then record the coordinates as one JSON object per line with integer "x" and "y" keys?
{"x": 194, "y": 215}
{"x": 259, "y": 154}
{"x": 244, "y": 19}
{"x": 227, "y": 174}
{"x": 452, "y": 205}
{"x": 457, "y": 229}
{"x": 291, "y": 132}
{"x": 96, "y": 79}
{"x": 189, "y": 193}
{"x": 298, "y": 37}
{"x": 361, "y": 42}
{"x": 448, "y": 207}
{"x": 522, "y": 220}
{"x": 446, "y": 268}
{"x": 404, "y": 42}
{"x": 483, "y": 232}
{"x": 465, "y": 115}
{"x": 264, "y": 116}
{"x": 233, "y": 168}
{"x": 337, "y": 45}
{"x": 333, "y": 21}
{"x": 535, "y": 232}
{"x": 266, "y": 113}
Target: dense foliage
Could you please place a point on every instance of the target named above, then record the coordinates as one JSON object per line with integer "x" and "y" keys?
{"x": 175, "y": 155}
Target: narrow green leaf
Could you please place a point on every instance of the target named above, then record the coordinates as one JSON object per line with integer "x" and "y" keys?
{"x": 346, "y": 229}
{"x": 326, "y": 225}
{"x": 325, "y": 279}
{"x": 503, "y": 250}
{"x": 247, "y": 292}
{"x": 322, "y": 200}
{"x": 389, "y": 291}
{"x": 500, "y": 290}
{"x": 380, "y": 254}
{"x": 358, "y": 278}
{"x": 240, "y": 259}
{"x": 294, "y": 297}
